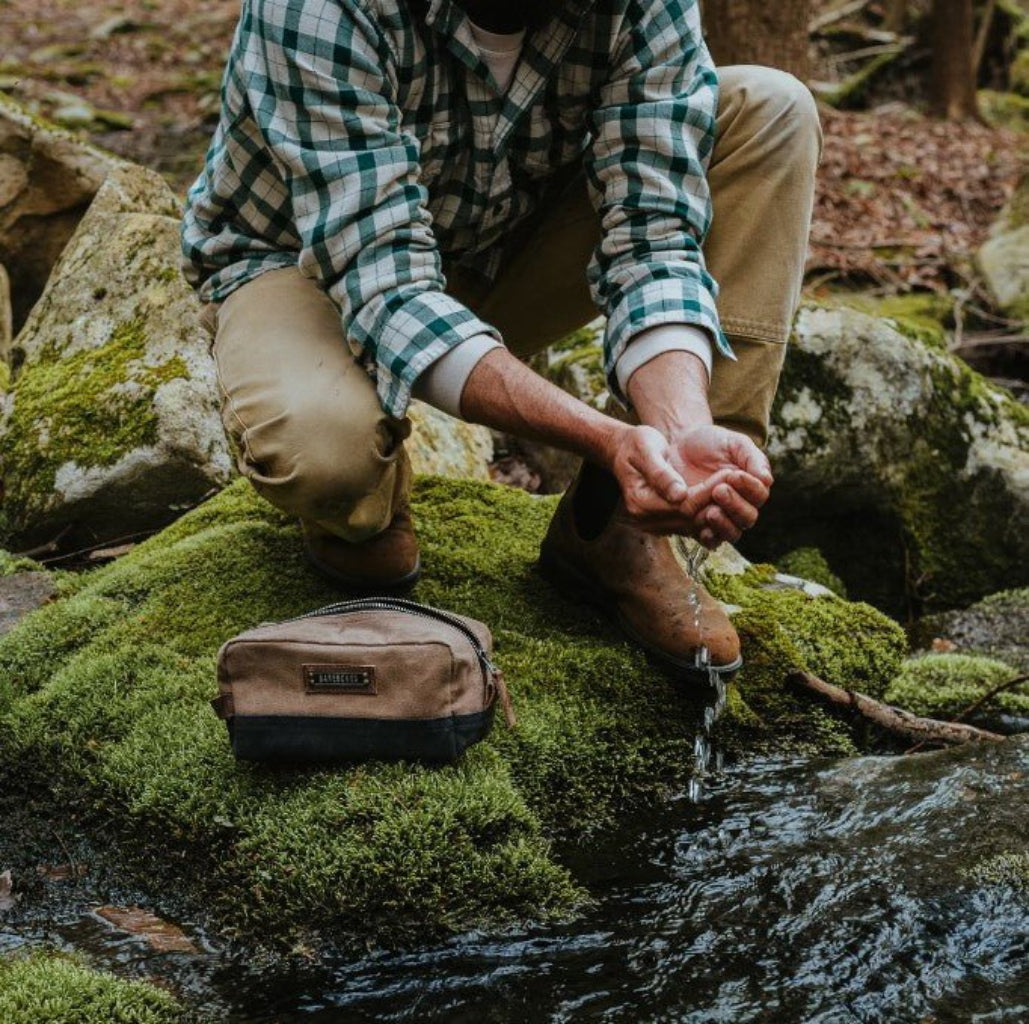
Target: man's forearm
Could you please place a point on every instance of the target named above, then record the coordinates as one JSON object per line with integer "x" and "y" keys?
{"x": 503, "y": 393}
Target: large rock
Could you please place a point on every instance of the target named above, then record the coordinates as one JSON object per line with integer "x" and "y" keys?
{"x": 111, "y": 423}
{"x": 444, "y": 446}
{"x": 905, "y": 468}
{"x": 103, "y": 702}
{"x": 1004, "y": 258}
{"x": 47, "y": 180}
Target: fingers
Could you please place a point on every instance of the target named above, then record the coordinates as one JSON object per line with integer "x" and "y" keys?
{"x": 740, "y": 511}
{"x": 748, "y": 456}
{"x": 721, "y": 525}
{"x": 650, "y": 460}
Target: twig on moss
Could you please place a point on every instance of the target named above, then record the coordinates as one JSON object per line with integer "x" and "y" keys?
{"x": 989, "y": 695}
{"x": 895, "y": 720}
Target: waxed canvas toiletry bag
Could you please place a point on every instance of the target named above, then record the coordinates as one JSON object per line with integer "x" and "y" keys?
{"x": 380, "y": 677}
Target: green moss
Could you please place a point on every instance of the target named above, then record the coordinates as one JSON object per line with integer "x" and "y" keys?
{"x": 5, "y": 377}
{"x": 810, "y": 564}
{"x": 944, "y": 685}
{"x": 921, "y": 316}
{"x": 1005, "y": 109}
{"x": 1006, "y": 869}
{"x": 47, "y": 988}
{"x": 10, "y": 564}
{"x": 89, "y": 408}
{"x": 783, "y": 630}
{"x": 106, "y": 695}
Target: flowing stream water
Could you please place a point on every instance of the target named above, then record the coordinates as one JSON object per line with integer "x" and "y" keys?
{"x": 809, "y": 890}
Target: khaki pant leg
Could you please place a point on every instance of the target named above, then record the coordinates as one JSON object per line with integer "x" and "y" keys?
{"x": 306, "y": 422}
{"x": 762, "y": 179}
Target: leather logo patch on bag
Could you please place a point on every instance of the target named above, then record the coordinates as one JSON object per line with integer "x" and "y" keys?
{"x": 339, "y": 678}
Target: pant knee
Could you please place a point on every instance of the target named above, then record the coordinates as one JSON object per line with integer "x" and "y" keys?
{"x": 326, "y": 468}
{"x": 776, "y": 105}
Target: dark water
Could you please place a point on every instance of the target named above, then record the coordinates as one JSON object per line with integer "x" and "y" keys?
{"x": 809, "y": 891}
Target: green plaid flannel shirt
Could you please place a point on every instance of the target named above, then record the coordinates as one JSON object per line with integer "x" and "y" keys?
{"x": 364, "y": 139}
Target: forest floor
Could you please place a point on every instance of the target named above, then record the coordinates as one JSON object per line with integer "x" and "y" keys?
{"x": 903, "y": 201}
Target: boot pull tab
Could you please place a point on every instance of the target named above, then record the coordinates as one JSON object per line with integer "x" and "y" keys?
{"x": 505, "y": 699}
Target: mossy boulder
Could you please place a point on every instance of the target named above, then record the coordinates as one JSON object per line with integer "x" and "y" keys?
{"x": 908, "y": 470}
{"x": 48, "y": 988}
{"x": 111, "y": 422}
{"x": 810, "y": 564}
{"x": 995, "y": 627}
{"x": 103, "y": 699}
{"x": 48, "y": 178}
{"x": 945, "y": 685}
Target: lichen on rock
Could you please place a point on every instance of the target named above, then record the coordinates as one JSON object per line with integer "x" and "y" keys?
{"x": 104, "y": 692}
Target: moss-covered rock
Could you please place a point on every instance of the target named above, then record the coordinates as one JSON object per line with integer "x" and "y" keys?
{"x": 908, "y": 470}
{"x": 945, "y": 685}
{"x": 1005, "y": 109}
{"x": 104, "y": 695}
{"x": 810, "y": 564}
{"x": 112, "y": 423}
{"x": 47, "y": 988}
{"x": 995, "y": 627}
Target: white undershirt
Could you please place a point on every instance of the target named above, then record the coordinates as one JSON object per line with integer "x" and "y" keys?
{"x": 443, "y": 382}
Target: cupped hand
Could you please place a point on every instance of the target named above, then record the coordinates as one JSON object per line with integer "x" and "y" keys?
{"x": 660, "y": 498}
{"x": 741, "y": 474}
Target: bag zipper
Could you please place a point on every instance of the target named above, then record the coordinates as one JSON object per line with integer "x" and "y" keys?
{"x": 492, "y": 676}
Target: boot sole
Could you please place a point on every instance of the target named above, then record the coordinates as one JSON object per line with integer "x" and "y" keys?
{"x": 574, "y": 584}
{"x": 362, "y": 586}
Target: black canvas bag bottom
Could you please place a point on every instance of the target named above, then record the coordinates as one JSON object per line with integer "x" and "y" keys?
{"x": 286, "y": 738}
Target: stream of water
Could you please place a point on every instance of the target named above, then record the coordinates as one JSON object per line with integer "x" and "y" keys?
{"x": 809, "y": 891}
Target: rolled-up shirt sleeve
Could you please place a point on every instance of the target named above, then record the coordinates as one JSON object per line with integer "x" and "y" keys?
{"x": 652, "y": 134}
{"x": 322, "y": 86}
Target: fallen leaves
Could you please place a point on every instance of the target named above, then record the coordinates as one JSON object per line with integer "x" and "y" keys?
{"x": 161, "y": 936}
{"x": 906, "y": 200}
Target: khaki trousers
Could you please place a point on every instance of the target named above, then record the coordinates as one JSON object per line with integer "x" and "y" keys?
{"x": 304, "y": 417}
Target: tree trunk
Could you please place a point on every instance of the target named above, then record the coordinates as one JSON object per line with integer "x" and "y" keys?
{"x": 952, "y": 79}
{"x": 759, "y": 32}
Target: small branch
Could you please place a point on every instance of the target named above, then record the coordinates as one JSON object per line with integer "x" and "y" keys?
{"x": 828, "y": 18}
{"x": 979, "y": 50}
{"x": 45, "y": 549}
{"x": 895, "y": 720}
{"x": 989, "y": 695}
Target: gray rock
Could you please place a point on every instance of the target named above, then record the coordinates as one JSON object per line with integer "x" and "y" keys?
{"x": 1004, "y": 258}
{"x": 909, "y": 471}
{"x": 111, "y": 422}
{"x": 20, "y": 594}
{"x": 995, "y": 627}
{"x": 47, "y": 180}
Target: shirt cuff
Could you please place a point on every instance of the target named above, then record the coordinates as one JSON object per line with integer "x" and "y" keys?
{"x": 655, "y": 341}
{"x": 442, "y": 384}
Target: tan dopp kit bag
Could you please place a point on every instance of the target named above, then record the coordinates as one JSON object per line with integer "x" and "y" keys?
{"x": 376, "y": 677}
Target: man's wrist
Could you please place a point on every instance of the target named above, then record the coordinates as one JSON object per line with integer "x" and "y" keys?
{"x": 669, "y": 393}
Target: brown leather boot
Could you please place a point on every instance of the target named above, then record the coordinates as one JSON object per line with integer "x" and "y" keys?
{"x": 591, "y": 552}
{"x": 387, "y": 563}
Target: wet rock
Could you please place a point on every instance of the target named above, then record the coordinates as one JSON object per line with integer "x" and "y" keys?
{"x": 22, "y": 593}
{"x": 111, "y": 422}
{"x": 107, "y": 690}
{"x": 47, "y": 180}
{"x": 908, "y": 470}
